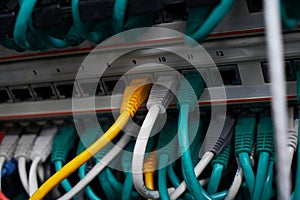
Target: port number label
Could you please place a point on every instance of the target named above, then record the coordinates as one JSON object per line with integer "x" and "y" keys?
{"x": 220, "y": 53}
{"x": 162, "y": 59}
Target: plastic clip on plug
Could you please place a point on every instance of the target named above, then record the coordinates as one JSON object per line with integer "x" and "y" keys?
{"x": 219, "y": 163}
{"x": 62, "y": 144}
{"x": 264, "y": 146}
{"x": 244, "y": 139}
{"x": 22, "y": 152}
{"x": 41, "y": 150}
{"x": 8, "y": 146}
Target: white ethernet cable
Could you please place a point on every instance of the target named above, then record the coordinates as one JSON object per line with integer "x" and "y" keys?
{"x": 97, "y": 168}
{"x": 159, "y": 99}
{"x": 236, "y": 184}
{"x": 8, "y": 146}
{"x": 40, "y": 151}
{"x": 22, "y": 154}
{"x": 278, "y": 91}
{"x": 292, "y": 135}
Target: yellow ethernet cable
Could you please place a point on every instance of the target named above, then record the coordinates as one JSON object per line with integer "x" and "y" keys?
{"x": 149, "y": 168}
{"x": 134, "y": 95}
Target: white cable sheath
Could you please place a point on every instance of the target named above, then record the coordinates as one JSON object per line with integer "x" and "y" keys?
{"x": 236, "y": 184}
{"x": 207, "y": 157}
{"x": 278, "y": 91}
{"x": 23, "y": 173}
{"x": 97, "y": 168}
{"x": 2, "y": 161}
{"x": 139, "y": 153}
{"x": 33, "y": 182}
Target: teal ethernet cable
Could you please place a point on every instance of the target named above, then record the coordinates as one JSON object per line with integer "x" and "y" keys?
{"x": 10, "y": 44}
{"x": 264, "y": 146}
{"x": 244, "y": 138}
{"x": 88, "y": 190}
{"x": 120, "y": 7}
{"x": 80, "y": 26}
{"x": 126, "y": 166}
{"x": 87, "y": 138}
{"x": 214, "y": 17}
{"x": 268, "y": 189}
{"x": 187, "y": 102}
{"x": 62, "y": 144}
{"x": 288, "y": 22}
{"x": 22, "y": 35}
{"x": 219, "y": 163}
{"x": 165, "y": 149}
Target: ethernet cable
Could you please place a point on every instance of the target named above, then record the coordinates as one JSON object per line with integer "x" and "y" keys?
{"x": 166, "y": 149}
{"x": 264, "y": 148}
{"x": 120, "y": 7}
{"x": 278, "y": 91}
{"x": 62, "y": 144}
{"x": 22, "y": 152}
{"x": 212, "y": 146}
{"x": 292, "y": 135}
{"x": 244, "y": 139}
{"x": 149, "y": 168}
{"x": 267, "y": 188}
{"x": 126, "y": 166}
{"x": 134, "y": 95}
{"x": 21, "y": 32}
{"x": 91, "y": 36}
{"x": 97, "y": 168}
{"x": 40, "y": 151}
{"x": 9, "y": 168}
{"x": 287, "y": 21}
{"x": 159, "y": 99}
{"x": 236, "y": 184}
{"x": 214, "y": 17}
{"x": 219, "y": 163}
{"x": 8, "y": 146}
{"x": 189, "y": 93}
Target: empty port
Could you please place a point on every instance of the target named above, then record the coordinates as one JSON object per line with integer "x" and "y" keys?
{"x": 87, "y": 88}
{"x": 64, "y": 89}
{"x": 110, "y": 84}
{"x": 289, "y": 72}
{"x": 21, "y": 93}
{"x": 254, "y": 6}
{"x": 44, "y": 91}
{"x": 229, "y": 74}
{"x": 4, "y": 96}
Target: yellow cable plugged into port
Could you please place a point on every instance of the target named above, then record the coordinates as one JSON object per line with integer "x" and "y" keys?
{"x": 134, "y": 95}
{"x": 149, "y": 169}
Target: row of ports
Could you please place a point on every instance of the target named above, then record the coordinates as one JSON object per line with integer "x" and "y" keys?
{"x": 59, "y": 90}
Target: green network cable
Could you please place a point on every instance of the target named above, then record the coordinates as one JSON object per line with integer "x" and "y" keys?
{"x": 127, "y": 192}
{"x": 187, "y": 101}
{"x": 81, "y": 27}
{"x": 264, "y": 146}
{"x": 119, "y": 15}
{"x": 297, "y": 184}
{"x": 212, "y": 18}
{"x": 23, "y": 35}
{"x": 268, "y": 189}
{"x": 219, "y": 163}
{"x": 62, "y": 144}
{"x": 165, "y": 147}
{"x": 244, "y": 138}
